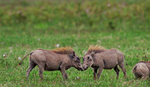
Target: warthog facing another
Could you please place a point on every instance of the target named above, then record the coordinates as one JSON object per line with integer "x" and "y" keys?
{"x": 142, "y": 69}
{"x": 59, "y": 59}
{"x": 99, "y": 58}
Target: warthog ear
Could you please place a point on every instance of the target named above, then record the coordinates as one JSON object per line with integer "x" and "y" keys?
{"x": 74, "y": 53}
{"x": 92, "y": 53}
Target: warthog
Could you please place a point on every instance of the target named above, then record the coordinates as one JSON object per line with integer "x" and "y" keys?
{"x": 142, "y": 69}
{"x": 100, "y": 58}
{"x": 59, "y": 59}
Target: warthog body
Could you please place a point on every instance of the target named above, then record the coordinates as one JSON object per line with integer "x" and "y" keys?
{"x": 142, "y": 69}
{"x": 60, "y": 59}
{"x": 99, "y": 58}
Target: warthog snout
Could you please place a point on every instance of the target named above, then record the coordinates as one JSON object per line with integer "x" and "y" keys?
{"x": 77, "y": 64}
{"x": 84, "y": 66}
{"x": 81, "y": 68}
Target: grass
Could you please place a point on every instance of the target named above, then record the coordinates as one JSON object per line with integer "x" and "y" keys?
{"x": 26, "y": 26}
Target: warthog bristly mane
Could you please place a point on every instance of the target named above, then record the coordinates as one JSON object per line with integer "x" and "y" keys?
{"x": 63, "y": 50}
{"x": 95, "y": 49}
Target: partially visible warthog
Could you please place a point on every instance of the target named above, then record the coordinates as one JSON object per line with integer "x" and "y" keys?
{"x": 59, "y": 59}
{"x": 142, "y": 69}
{"x": 99, "y": 58}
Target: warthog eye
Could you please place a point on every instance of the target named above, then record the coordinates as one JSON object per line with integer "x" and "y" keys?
{"x": 77, "y": 59}
{"x": 88, "y": 57}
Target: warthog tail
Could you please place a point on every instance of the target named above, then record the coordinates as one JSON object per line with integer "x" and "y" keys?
{"x": 25, "y": 57}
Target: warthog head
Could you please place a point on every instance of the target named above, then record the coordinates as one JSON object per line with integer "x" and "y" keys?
{"x": 76, "y": 62}
{"x": 87, "y": 60}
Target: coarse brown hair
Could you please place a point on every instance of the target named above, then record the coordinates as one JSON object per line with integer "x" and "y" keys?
{"x": 95, "y": 49}
{"x": 63, "y": 50}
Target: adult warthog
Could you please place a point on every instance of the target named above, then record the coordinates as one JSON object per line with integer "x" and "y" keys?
{"x": 142, "y": 69}
{"x": 50, "y": 60}
{"x": 100, "y": 58}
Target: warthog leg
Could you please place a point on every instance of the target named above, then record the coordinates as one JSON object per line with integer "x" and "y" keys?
{"x": 41, "y": 69}
{"x": 62, "y": 69}
{"x": 123, "y": 69}
{"x": 95, "y": 73}
{"x": 117, "y": 71}
{"x": 99, "y": 72}
{"x": 64, "y": 74}
{"x": 31, "y": 66}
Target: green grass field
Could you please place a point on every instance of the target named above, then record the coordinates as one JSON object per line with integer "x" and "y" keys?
{"x": 28, "y": 25}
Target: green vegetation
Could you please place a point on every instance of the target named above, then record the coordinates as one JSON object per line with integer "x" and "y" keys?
{"x": 28, "y": 25}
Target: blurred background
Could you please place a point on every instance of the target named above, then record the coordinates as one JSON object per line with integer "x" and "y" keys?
{"x": 75, "y": 15}
{"x": 47, "y": 17}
